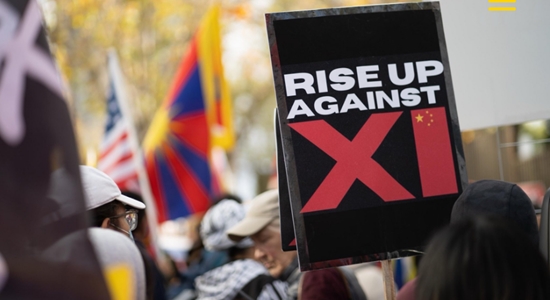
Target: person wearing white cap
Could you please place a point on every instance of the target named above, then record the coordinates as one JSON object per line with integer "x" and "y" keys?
{"x": 106, "y": 202}
{"x": 242, "y": 277}
{"x": 262, "y": 225}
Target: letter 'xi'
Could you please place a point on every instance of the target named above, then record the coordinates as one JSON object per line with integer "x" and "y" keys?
{"x": 353, "y": 161}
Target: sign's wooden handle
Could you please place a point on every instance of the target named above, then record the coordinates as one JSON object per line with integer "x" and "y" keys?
{"x": 389, "y": 285}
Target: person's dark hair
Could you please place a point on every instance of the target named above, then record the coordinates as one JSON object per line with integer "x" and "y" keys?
{"x": 104, "y": 211}
{"x": 482, "y": 258}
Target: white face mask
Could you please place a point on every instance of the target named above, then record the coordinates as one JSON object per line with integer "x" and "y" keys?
{"x": 129, "y": 233}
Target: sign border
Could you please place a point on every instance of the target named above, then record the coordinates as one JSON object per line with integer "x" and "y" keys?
{"x": 291, "y": 172}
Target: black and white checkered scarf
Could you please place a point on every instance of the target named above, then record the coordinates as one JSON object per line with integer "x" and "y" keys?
{"x": 226, "y": 281}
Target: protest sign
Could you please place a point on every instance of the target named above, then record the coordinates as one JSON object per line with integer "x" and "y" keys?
{"x": 288, "y": 241}
{"x": 369, "y": 129}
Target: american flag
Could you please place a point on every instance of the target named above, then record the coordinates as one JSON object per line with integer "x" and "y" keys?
{"x": 116, "y": 156}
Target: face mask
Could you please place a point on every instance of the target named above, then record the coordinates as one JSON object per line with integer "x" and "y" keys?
{"x": 129, "y": 233}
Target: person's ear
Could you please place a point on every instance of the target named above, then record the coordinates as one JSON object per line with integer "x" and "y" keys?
{"x": 105, "y": 223}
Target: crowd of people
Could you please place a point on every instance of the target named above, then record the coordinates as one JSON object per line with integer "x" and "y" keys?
{"x": 489, "y": 251}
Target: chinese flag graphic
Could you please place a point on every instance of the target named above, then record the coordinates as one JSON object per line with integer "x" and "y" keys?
{"x": 434, "y": 152}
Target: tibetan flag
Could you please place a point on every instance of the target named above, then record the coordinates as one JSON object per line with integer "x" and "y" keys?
{"x": 434, "y": 152}
{"x": 215, "y": 90}
{"x": 189, "y": 122}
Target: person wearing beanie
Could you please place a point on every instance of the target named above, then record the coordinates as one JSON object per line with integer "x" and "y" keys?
{"x": 482, "y": 257}
{"x": 242, "y": 277}
{"x": 498, "y": 198}
{"x": 490, "y": 198}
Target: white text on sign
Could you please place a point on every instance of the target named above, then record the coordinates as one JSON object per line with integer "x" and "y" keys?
{"x": 363, "y": 77}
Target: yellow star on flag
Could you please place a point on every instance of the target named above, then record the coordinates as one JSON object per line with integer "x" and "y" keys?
{"x": 419, "y": 118}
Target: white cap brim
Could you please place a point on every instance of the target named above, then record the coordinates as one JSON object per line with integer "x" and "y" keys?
{"x": 131, "y": 202}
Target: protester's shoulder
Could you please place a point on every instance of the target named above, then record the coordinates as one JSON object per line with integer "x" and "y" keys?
{"x": 408, "y": 291}
{"x": 292, "y": 272}
{"x": 239, "y": 267}
{"x": 330, "y": 273}
{"x": 324, "y": 284}
{"x": 244, "y": 275}
{"x": 264, "y": 286}
{"x": 331, "y": 277}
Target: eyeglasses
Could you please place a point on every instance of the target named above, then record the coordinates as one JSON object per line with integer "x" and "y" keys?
{"x": 130, "y": 216}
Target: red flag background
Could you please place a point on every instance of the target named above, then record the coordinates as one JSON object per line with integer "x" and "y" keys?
{"x": 433, "y": 149}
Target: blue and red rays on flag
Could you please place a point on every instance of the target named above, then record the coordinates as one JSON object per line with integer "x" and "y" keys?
{"x": 195, "y": 116}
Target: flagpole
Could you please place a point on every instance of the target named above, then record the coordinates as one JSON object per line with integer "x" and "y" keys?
{"x": 152, "y": 220}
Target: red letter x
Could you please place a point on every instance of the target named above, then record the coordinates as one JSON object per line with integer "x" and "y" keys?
{"x": 353, "y": 161}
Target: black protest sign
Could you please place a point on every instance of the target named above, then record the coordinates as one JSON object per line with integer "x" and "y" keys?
{"x": 288, "y": 241}
{"x": 369, "y": 129}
